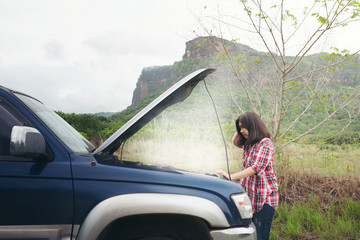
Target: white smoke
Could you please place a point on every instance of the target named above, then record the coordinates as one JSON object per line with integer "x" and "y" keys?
{"x": 187, "y": 135}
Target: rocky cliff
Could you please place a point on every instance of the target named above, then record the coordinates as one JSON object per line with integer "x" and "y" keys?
{"x": 198, "y": 54}
{"x": 151, "y": 80}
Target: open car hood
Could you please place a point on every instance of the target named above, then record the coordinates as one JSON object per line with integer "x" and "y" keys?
{"x": 177, "y": 93}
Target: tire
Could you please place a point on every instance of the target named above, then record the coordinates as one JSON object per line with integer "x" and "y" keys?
{"x": 158, "y": 227}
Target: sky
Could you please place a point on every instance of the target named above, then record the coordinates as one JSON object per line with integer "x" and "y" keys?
{"x": 85, "y": 56}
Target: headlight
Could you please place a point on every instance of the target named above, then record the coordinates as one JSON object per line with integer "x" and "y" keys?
{"x": 243, "y": 205}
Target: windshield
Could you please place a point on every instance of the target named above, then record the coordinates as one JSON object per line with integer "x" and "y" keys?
{"x": 67, "y": 134}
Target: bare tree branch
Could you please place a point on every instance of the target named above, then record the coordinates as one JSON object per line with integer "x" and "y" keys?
{"x": 263, "y": 39}
{"x": 355, "y": 95}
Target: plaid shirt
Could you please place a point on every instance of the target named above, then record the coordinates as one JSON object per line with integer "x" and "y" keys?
{"x": 261, "y": 187}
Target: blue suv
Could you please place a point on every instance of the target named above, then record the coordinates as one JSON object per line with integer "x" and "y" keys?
{"x": 56, "y": 185}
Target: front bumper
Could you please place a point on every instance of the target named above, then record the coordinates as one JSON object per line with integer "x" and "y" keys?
{"x": 239, "y": 233}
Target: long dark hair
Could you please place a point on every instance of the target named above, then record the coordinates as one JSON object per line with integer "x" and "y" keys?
{"x": 256, "y": 127}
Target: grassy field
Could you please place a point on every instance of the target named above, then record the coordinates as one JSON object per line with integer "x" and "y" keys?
{"x": 315, "y": 220}
{"x": 323, "y": 160}
{"x": 320, "y": 193}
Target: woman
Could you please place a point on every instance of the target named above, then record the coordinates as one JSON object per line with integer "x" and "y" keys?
{"x": 257, "y": 174}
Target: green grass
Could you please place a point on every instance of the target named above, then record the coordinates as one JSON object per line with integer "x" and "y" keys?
{"x": 327, "y": 171}
{"x": 314, "y": 220}
{"x": 329, "y": 160}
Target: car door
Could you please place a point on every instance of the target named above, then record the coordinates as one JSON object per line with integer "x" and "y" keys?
{"x": 36, "y": 196}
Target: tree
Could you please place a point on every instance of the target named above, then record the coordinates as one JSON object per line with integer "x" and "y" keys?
{"x": 293, "y": 88}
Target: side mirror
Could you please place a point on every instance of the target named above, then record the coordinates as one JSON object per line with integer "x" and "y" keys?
{"x": 27, "y": 142}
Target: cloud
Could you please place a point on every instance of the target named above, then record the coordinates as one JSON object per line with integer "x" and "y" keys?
{"x": 139, "y": 43}
{"x": 68, "y": 89}
{"x": 86, "y": 55}
{"x": 54, "y": 50}
{"x": 112, "y": 43}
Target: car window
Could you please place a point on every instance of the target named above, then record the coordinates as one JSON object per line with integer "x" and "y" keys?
{"x": 66, "y": 133}
{"x": 9, "y": 117}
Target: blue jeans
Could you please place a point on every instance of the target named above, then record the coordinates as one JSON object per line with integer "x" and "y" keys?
{"x": 263, "y": 220}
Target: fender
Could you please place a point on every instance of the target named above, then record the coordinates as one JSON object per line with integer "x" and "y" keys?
{"x": 146, "y": 203}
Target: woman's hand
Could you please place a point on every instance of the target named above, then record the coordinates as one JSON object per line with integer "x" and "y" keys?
{"x": 235, "y": 139}
{"x": 224, "y": 174}
{"x": 239, "y": 175}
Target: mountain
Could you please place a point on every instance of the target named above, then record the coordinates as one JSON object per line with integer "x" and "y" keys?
{"x": 203, "y": 52}
{"x": 199, "y": 53}
{"x": 104, "y": 114}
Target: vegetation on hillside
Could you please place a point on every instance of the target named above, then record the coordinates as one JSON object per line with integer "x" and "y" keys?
{"x": 231, "y": 100}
